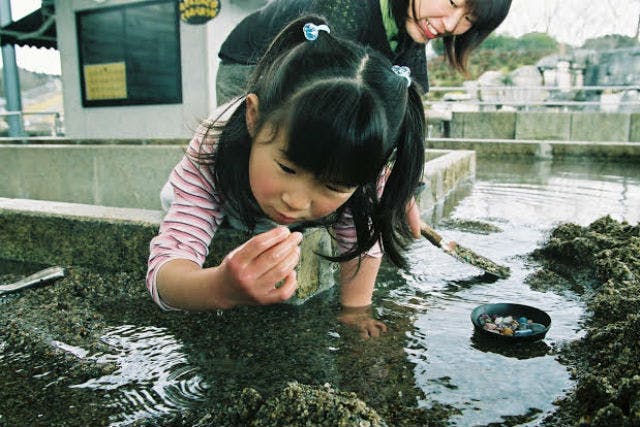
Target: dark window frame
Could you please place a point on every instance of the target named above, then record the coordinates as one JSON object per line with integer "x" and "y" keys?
{"x": 134, "y": 65}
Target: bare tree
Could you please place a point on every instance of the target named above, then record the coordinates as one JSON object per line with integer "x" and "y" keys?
{"x": 574, "y": 21}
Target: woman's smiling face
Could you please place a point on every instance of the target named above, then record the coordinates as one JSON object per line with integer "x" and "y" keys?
{"x": 429, "y": 19}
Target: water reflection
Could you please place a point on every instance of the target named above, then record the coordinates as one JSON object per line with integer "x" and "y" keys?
{"x": 519, "y": 350}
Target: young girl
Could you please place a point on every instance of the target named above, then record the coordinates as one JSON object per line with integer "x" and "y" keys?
{"x": 398, "y": 29}
{"x": 329, "y": 134}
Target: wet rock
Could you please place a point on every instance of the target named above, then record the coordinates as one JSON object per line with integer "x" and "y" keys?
{"x": 609, "y": 416}
{"x": 295, "y": 405}
{"x": 593, "y": 393}
{"x": 544, "y": 280}
{"x": 604, "y": 260}
{"x": 476, "y": 227}
{"x": 300, "y": 404}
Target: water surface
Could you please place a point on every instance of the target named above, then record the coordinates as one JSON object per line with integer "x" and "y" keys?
{"x": 525, "y": 200}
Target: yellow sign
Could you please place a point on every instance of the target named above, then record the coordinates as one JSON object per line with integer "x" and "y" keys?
{"x": 199, "y": 11}
{"x": 105, "y": 81}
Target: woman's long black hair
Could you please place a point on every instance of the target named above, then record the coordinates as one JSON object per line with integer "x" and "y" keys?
{"x": 347, "y": 116}
{"x": 488, "y": 14}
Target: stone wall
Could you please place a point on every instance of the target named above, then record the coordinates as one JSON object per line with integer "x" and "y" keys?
{"x": 565, "y": 126}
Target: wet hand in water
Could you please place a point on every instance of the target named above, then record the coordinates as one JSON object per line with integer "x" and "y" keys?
{"x": 251, "y": 271}
{"x": 360, "y": 319}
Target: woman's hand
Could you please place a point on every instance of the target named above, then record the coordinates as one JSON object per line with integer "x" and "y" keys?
{"x": 248, "y": 275}
{"x": 360, "y": 319}
{"x": 413, "y": 217}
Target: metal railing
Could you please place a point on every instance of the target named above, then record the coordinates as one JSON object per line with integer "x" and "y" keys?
{"x": 55, "y": 126}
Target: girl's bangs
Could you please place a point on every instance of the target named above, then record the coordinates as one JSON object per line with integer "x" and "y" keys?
{"x": 337, "y": 135}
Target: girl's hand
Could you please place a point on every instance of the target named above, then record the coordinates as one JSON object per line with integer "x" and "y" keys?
{"x": 360, "y": 319}
{"x": 250, "y": 273}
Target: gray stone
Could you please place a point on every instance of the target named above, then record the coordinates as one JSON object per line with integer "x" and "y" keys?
{"x": 483, "y": 125}
{"x": 542, "y": 125}
{"x": 634, "y": 127}
{"x": 588, "y": 126}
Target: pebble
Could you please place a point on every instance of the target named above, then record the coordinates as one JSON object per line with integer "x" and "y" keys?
{"x": 508, "y": 326}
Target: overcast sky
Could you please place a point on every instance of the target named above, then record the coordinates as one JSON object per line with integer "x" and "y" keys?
{"x": 572, "y": 21}
{"x": 569, "y": 21}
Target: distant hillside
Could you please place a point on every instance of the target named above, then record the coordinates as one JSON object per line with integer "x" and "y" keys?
{"x": 498, "y": 52}
{"x": 41, "y": 94}
{"x": 505, "y": 53}
{"x": 29, "y": 80}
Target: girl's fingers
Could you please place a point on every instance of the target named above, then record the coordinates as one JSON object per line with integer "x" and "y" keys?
{"x": 257, "y": 245}
{"x": 375, "y": 328}
{"x": 265, "y": 260}
{"x": 282, "y": 268}
{"x": 242, "y": 261}
{"x": 285, "y": 291}
{"x": 274, "y": 258}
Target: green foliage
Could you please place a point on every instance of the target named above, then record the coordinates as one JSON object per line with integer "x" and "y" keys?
{"x": 610, "y": 41}
{"x": 498, "y": 52}
{"x": 532, "y": 42}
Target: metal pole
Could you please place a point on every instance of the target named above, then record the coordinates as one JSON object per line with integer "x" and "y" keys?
{"x": 10, "y": 76}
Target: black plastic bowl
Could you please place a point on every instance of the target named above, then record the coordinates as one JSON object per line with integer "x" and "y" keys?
{"x": 515, "y": 310}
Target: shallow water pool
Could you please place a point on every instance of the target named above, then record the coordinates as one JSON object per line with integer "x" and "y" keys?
{"x": 525, "y": 200}
{"x": 133, "y": 363}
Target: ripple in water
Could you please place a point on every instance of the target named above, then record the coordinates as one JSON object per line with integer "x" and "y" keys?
{"x": 153, "y": 376}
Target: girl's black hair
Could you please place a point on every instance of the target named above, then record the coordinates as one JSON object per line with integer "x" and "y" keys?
{"x": 488, "y": 14}
{"x": 346, "y": 115}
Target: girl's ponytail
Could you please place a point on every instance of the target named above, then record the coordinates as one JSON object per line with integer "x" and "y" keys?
{"x": 403, "y": 180}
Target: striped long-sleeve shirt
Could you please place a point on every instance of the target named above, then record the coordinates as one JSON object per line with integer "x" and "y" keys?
{"x": 197, "y": 211}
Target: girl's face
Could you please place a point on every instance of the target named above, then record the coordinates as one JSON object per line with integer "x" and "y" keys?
{"x": 285, "y": 192}
{"x": 437, "y": 18}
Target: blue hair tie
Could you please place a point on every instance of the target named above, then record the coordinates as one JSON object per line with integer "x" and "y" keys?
{"x": 403, "y": 71}
{"x": 311, "y": 30}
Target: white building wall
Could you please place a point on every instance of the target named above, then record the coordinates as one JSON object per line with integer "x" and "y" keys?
{"x": 199, "y": 45}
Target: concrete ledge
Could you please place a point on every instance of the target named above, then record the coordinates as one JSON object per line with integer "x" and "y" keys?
{"x": 488, "y": 124}
{"x": 593, "y": 126}
{"x": 634, "y": 127}
{"x": 110, "y": 175}
{"x": 444, "y": 172}
{"x": 117, "y": 239}
{"x": 546, "y": 125}
{"x": 541, "y": 126}
{"x": 628, "y": 151}
{"x": 54, "y": 233}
